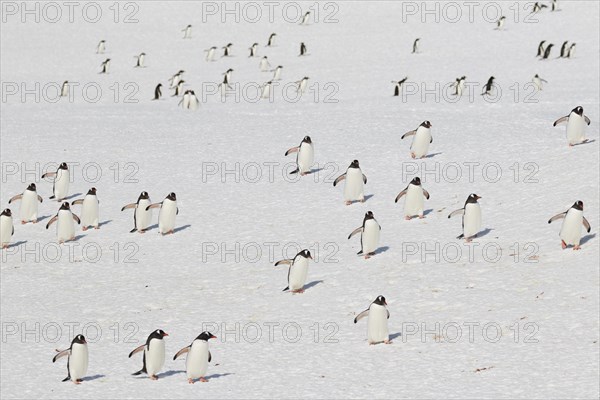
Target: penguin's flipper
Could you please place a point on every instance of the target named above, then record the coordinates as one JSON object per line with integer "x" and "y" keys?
{"x": 364, "y": 178}
{"x": 407, "y": 134}
{"x": 40, "y": 198}
{"x": 431, "y": 140}
{"x": 182, "y": 351}
{"x": 283, "y": 262}
{"x": 557, "y": 217}
{"x": 339, "y": 179}
{"x": 52, "y": 197}
{"x": 53, "y": 220}
{"x": 79, "y": 201}
{"x": 76, "y": 219}
{"x": 359, "y": 253}
{"x": 402, "y": 193}
{"x": 68, "y": 378}
{"x": 292, "y": 150}
{"x": 131, "y": 205}
{"x": 587, "y": 120}
{"x": 388, "y": 312}
{"x": 137, "y": 350}
{"x": 462, "y": 235}
{"x": 354, "y": 232}
{"x": 460, "y": 211}
{"x": 561, "y": 120}
{"x": 361, "y": 315}
{"x": 586, "y": 224}
{"x": 209, "y": 357}
{"x": 155, "y": 205}
{"x": 60, "y": 354}
{"x": 15, "y": 198}
{"x": 295, "y": 171}
{"x": 133, "y": 230}
{"x": 426, "y": 193}
{"x": 49, "y": 175}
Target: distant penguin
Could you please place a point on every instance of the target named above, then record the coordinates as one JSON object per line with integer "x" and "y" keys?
{"x": 174, "y": 80}
{"x": 547, "y": 51}
{"x": 564, "y": 49}
{"x": 157, "y": 92}
{"x": 253, "y": 49}
{"x": 576, "y": 122}
{"x": 29, "y": 204}
{"x": 303, "y": 50}
{"x": 571, "y": 51}
{"x": 305, "y": 156}
{"x": 302, "y": 83}
{"x": 398, "y": 86}
{"x": 140, "y": 60}
{"x": 500, "y": 23}
{"x": 537, "y": 81}
{"x": 105, "y": 66}
{"x": 167, "y": 213}
{"x": 459, "y": 86}
{"x": 7, "y": 229}
{"x": 226, "y": 79}
{"x": 77, "y": 359}
{"x": 264, "y": 64}
{"x": 415, "y": 48}
{"x": 65, "y": 226}
{"x": 422, "y": 139}
{"x": 540, "y": 49}
{"x": 570, "y": 231}
{"x": 185, "y": 100}
{"x": 154, "y": 354}
{"x": 377, "y": 325}
{"x": 538, "y": 7}
{"x": 487, "y": 88}
{"x": 142, "y": 216}
{"x": 554, "y": 5}
{"x": 471, "y": 217}
{"x": 187, "y": 32}
{"x": 355, "y": 181}
{"x": 266, "y": 90}
{"x": 101, "y": 47}
{"x": 89, "y": 210}
{"x": 210, "y": 53}
{"x": 369, "y": 238}
{"x": 277, "y": 73}
{"x": 415, "y": 199}
{"x": 271, "y": 40}
{"x": 304, "y": 20}
{"x": 192, "y": 102}
{"x": 64, "y": 91}
{"x": 227, "y": 50}
{"x": 178, "y": 89}
{"x": 198, "y": 357}
{"x": 297, "y": 271}
{"x": 60, "y": 185}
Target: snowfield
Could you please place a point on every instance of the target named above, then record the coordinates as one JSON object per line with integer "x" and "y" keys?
{"x": 510, "y": 315}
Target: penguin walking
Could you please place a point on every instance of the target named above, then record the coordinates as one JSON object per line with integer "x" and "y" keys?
{"x": 198, "y": 357}
{"x": 554, "y": 5}
{"x": 266, "y": 90}
{"x": 422, "y": 139}
{"x": 415, "y": 199}
{"x": 271, "y": 41}
{"x": 157, "y": 92}
{"x": 178, "y": 88}
{"x": 105, "y": 65}
{"x": 487, "y": 88}
{"x": 227, "y": 50}
{"x": 571, "y": 51}
{"x": 253, "y": 50}
{"x": 305, "y": 156}
{"x": 576, "y": 122}
{"x": 540, "y": 49}
{"x": 302, "y": 83}
{"x": 564, "y": 49}
{"x": 187, "y": 32}
{"x": 154, "y": 354}
{"x": 500, "y": 23}
{"x": 547, "y": 51}
{"x": 355, "y": 180}
{"x": 471, "y": 217}
{"x": 89, "y": 210}
{"x": 64, "y": 90}
{"x": 77, "y": 359}
{"x": 537, "y": 81}
{"x": 415, "y": 48}
{"x": 60, "y": 185}
{"x": 190, "y": 101}
{"x": 65, "y": 226}
{"x": 297, "y": 271}
{"x": 570, "y": 231}
{"x": 459, "y": 86}
{"x": 303, "y": 50}
{"x": 304, "y": 20}
{"x": 369, "y": 238}
{"x": 7, "y": 229}
{"x": 167, "y": 213}
{"x": 377, "y": 324}
{"x": 29, "y": 204}
{"x": 140, "y": 60}
{"x": 227, "y": 78}
{"x": 398, "y": 86}
{"x": 142, "y": 216}
{"x": 538, "y": 7}
{"x": 277, "y": 73}
{"x": 210, "y": 53}
{"x": 101, "y": 47}
{"x": 264, "y": 64}
{"x": 174, "y": 80}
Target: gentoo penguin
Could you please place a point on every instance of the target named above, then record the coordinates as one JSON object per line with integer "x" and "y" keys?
{"x": 471, "y": 217}
{"x": 105, "y": 65}
{"x": 305, "y": 157}
{"x": 355, "y": 181}
{"x": 226, "y": 79}
{"x": 29, "y": 204}
{"x": 564, "y": 49}
{"x": 187, "y": 32}
{"x": 303, "y": 50}
{"x": 398, "y": 86}
{"x": 228, "y": 75}
{"x": 576, "y": 122}
{"x": 77, "y": 359}
{"x": 415, "y": 48}
{"x": 304, "y": 20}
{"x": 142, "y": 216}
{"x": 538, "y": 7}
{"x": 547, "y": 51}
{"x": 369, "y": 238}
{"x": 540, "y": 50}
{"x": 178, "y": 88}
{"x": 64, "y": 91}
{"x": 154, "y": 354}
{"x": 571, "y": 52}
{"x": 140, "y": 60}
{"x": 487, "y": 88}
{"x": 297, "y": 271}
{"x": 167, "y": 213}
{"x": 89, "y": 210}
{"x": 264, "y": 64}
{"x": 198, "y": 357}
{"x": 554, "y": 5}
{"x": 7, "y": 229}
{"x": 60, "y": 186}
{"x": 253, "y": 50}
{"x": 415, "y": 195}
{"x": 227, "y": 50}
{"x": 459, "y": 86}
{"x": 174, "y": 80}
{"x": 189, "y": 100}
{"x": 65, "y": 227}
{"x": 277, "y": 73}
{"x": 185, "y": 100}
{"x": 537, "y": 81}
{"x": 302, "y": 83}
{"x": 101, "y": 47}
{"x": 377, "y": 325}
{"x": 500, "y": 23}
{"x": 210, "y": 53}
{"x": 570, "y": 231}
{"x": 422, "y": 139}
{"x": 271, "y": 40}
{"x": 157, "y": 92}
{"x": 266, "y": 90}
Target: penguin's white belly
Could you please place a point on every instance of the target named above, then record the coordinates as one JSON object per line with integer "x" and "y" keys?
{"x": 264, "y": 66}
{"x": 6, "y": 228}
{"x": 277, "y": 75}
{"x": 575, "y": 129}
{"x": 64, "y": 91}
{"x": 354, "y": 188}
{"x": 570, "y": 232}
{"x": 61, "y": 184}
{"x": 414, "y": 202}
{"x": 143, "y": 218}
{"x": 303, "y": 84}
{"x": 459, "y": 89}
{"x": 89, "y": 211}
{"x": 196, "y": 362}
{"x": 420, "y": 144}
{"x": 186, "y": 101}
{"x": 377, "y": 327}
{"x": 266, "y": 92}
{"x": 370, "y": 237}
{"x": 306, "y": 157}
{"x": 298, "y": 273}
{"x": 166, "y": 217}
{"x": 65, "y": 225}
{"x": 155, "y": 357}
{"x": 78, "y": 361}
{"x": 471, "y": 220}
{"x": 538, "y": 83}
{"x": 193, "y": 103}
{"x": 29, "y": 206}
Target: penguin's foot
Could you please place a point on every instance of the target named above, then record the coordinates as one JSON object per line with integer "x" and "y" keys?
{"x": 298, "y": 291}
{"x": 367, "y": 256}
{"x": 191, "y": 381}
{"x": 170, "y": 232}
{"x": 203, "y": 379}
{"x": 362, "y": 200}
{"x": 570, "y": 145}
{"x": 348, "y": 203}
{"x": 23, "y": 222}
{"x": 85, "y": 228}
{"x": 407, "y": 218}
{"x": 303, "y": 173}
{"x": 96, "y": 227}
{"x": 563, "y": 244}
{"x": 77, "y": 382}
{"x": 61, "y": 241}
{"x": 4, "y": 246}
{"x": 142, "y": 231}
{"x": 153, "y": 377}
{"x": 412, "y": 155}
{"x": 469, "y": 240}
{"x": 421, "y": 216}
{"x": 577, "y": 247}
{"x": 388, "y": 341}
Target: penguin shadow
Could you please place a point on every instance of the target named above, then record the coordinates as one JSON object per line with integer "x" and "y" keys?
{"x": 586, "y": 142}
{"x": 312, "y": 284}
{"x": 484, "y": 232}
{"x": 179, "y": 229}
{"x": 382, "y": 249}
{"x": 71, "y": 197}
{"x": 17, "y": 244}
{"x": 433, "y": 154}
{"x": 93, "y": 377}
{"x": 367, "y": 197}
{"x": 426, "y": 212}
{"x": 170, "y": 373}
{"x": 215, "y": 376}
{"x": 151, "y": 227}
{"x": 395, "y": 335}
{"x": 587, "y": 238}
{"x": 43, "y": 218}
{"x": 76, "y": 238}
{"x": 104, "y": 223}
{"x": 314, "y": 171}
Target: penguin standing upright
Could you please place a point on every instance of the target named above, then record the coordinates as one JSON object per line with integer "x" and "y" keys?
{"x": 253, "y": 49}
{"x": 65, "y": 227}
{"x": 167, "y": 213}
{"x": 554, "y": 5}
{"x": 140, "y": 60}
{"x": 487, "y": 88}
{"x": 303, "y": 50}
{"x": 369, "y": 238}
{"x": 157, "y": 92}
{"x": 187, "y": 32}
{"x": 415, "y": 195}
{"x": 304, "y": 20}
{"x": 142, "y": 216}
{"x": 537, "y": 81}
{"x": 266, "y": 90}
{"x": 355, "y": 180}
{"x": 305, "y": 157}
{"x": 297, "y": 271}
{"x": 89, "y": 210}
{"x": 547, "y": 51}
{"x": 571, "y": 51}
{"x": 154, "y": 354}
{"x": 271, "y": 40}
{"x": 398, "y": 86}
{"x": 422, "y": 139}
{"x": 64, "y": 91}
{"x": 277, "y": 73}
{"x": 60, "y": 185}
{"x": 500, "y": 23}
{"x": 471, "y": 217}
{"x": 77, "y": 359}
{"x": 377, "y": 325}
{"x": 174, "y": 80}
{"x": 210, "y": 53}
{"x": 302, "y": 83}
{"x": 540, "y": 49}
{"x": 101, "y": 47}
{"x": 105, "y": 65}
{"x": 576, "y": 122}
{"x": 570, "y": 231}
{"x": 459, "y": 86}
{"x": 178, "y": 88}
{"x": 415, "y": 48}
{"x": 7, "y": 229}
{"x": 198, "y": 357}
{"x": 227, "y": 50}
{"x": 264, "y": 64}
{"x": 564, "y": 49}
{"x": 29, "y": 204}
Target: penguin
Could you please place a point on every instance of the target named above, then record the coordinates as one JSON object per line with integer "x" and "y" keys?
{"x": 538, "y": 7}
{"x": 266, "y": 90}
{"x": 459, "y": 86}
{"x": 304, "y": 20}
{"x": 64, "y": 91}
{"x": 570, "y": 231}
{"x": 227, "y": 50}
{"x": 198, "y": 357}
{"x": 540, "y": 51}
{"x": 179, "y": 89}
{"x": 105, "y": 65}
{"x": 576, "y": 122}
{"x": 187, "y": 32}
{"x": 154, "y": 354}
{"x": 271, "y": 40}
{"x": 142, "y": 216}
{"x": 305, "y": 157}
{"x": 193, "y": 102}
{"x": 264, "y": 64}
{"x": 554, "y": 5}
{"x": 355, "y": 181}
{"x": 65, "y": 228}
{"x": 471, "y": 217}
{"x": 547, "y": 51}
{"x": 157, "y": 92}
{"x": 185, "y": 100}
{"x": 377, "y": 324}
{"x": 422, "y": 139}
{"x": 571, "y": 51}
{"x": 487, "y": 88}
{"x": 77, "y": 359}
{"x": 227, "y": 77}
{"x": 7, "y": 229}
{"x": 302, "y": 83}
{"x": 564, "y": 49}
{"x": 369, "y": 238}
{"x": 101, "y": 47}
{"x": 253, "y": 50}
{"x": 415, "y": 195}
{"x": 140, "y": 60}
{"x": 500, "y": 23}
{"x": 29, "y": 204}
{"x": 415, "y": 48}
{"x": 297, "y": 271}
{"x": 398, "y": 86}
{"x": 210, "y": 53}
{"x": 89, "y": 210}
{"x": 277, "y": 73}
{"x": 174, "y": 80}
{"x": 60, "y": 186}
{"x": 537, "y": 81}
{"x": 167, "y": 213}
{"x": 303, "y": 50}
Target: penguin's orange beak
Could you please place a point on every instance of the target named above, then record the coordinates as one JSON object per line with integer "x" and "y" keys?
{"x": 213, "y": 337}
{"x": 165, "y": 334}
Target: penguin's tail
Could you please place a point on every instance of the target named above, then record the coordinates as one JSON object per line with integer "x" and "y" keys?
{"x": 133, "y": 230}
{"x": 287, "y": 288}
{"x": 295, "y": 171}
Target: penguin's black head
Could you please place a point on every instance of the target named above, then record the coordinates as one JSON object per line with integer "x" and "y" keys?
{"x": 158, "y": 334}
{"x": 107, "y": 60}
{"x": 305, "y": 253}
{"x": 369, "y": 215}
{"x": 181, "y": 71}
{"x": 492, "y": 78}
{"x": 354, "y": 164}
{"x": 144, "y": 195}
{"x": 380, "y": 300}
{"x": 65, "y": 206}
{"x": 230, "y": 70}
{"x": 307, "y": 139}
{"x": 416, "y": 181}
{"x": 172, "y": 196}
{"x": 142, "y": 54}
{"x": 7, "y": 212}
{"x": 159, "y": 85}
{"x": 265, "y": 57}
{"x": 79, "y": 339}
{"x": 306, "y": 77}
{"x": 92, "y": 191}
{"x": 463, "y": 77}
{"x": 473, "y": 198}
{"x": 63, "y": 166}
{"x": 578, "y": 110}
{"x": 273, "y": 34}
{"x": 280, "y": 66}
{"x": 426, "y": 124}
{"x": 205, "y": 336}
{"x": 578, "y": 205}
{"x": 31, "y": 187}
{"x": 254, "y": 44}
{"x": 229, "y": 44}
